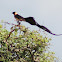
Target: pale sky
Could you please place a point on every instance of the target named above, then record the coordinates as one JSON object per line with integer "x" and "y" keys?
{"x": 45, "y": 12}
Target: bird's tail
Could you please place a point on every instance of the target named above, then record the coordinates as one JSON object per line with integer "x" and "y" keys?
{"x": 47, "y": 30}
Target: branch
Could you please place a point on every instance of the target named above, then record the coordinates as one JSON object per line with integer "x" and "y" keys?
{"x": 9, "y": 34}
{"x": 9, "y": 23}
{"x": 13, "y": 24}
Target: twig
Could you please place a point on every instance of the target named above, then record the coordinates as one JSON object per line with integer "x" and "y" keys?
{"x": 10, "y": 23}
{"x": 9, "y": 34}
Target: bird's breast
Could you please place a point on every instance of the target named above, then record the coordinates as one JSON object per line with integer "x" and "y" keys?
{"x": 21, "y": 19}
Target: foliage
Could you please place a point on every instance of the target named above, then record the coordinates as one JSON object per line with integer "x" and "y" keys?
{"x": 24, "y": 45}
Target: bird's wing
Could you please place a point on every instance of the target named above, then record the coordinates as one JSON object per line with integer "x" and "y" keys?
{"x": 19, "y": 18}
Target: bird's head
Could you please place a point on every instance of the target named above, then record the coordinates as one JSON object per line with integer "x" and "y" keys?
{"x": 14, "y": 13}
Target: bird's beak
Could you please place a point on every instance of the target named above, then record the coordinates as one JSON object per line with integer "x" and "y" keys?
{"x": 12, "y": 12}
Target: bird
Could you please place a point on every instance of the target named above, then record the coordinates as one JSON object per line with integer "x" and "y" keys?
{"x": 32, "y": 21}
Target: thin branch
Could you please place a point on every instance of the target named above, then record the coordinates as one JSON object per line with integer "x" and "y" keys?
{"x": 13, "y": 24}
{"x": 9, "y": 34}
{"x": 9, "y": 23}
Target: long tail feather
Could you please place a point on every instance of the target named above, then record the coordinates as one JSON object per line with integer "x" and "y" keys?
{"x": 47, "y": 30}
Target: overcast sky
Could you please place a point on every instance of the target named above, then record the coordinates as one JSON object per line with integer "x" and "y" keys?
{"x": 45, "y": 12}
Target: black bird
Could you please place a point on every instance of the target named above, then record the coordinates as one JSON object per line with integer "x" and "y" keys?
{"x": 32, "y": 21}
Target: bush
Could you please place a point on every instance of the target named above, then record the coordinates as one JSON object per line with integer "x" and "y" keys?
{"x": 23, "y": 45}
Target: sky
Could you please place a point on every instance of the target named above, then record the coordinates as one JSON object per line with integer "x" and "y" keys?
{"x": 45, "y": 12}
